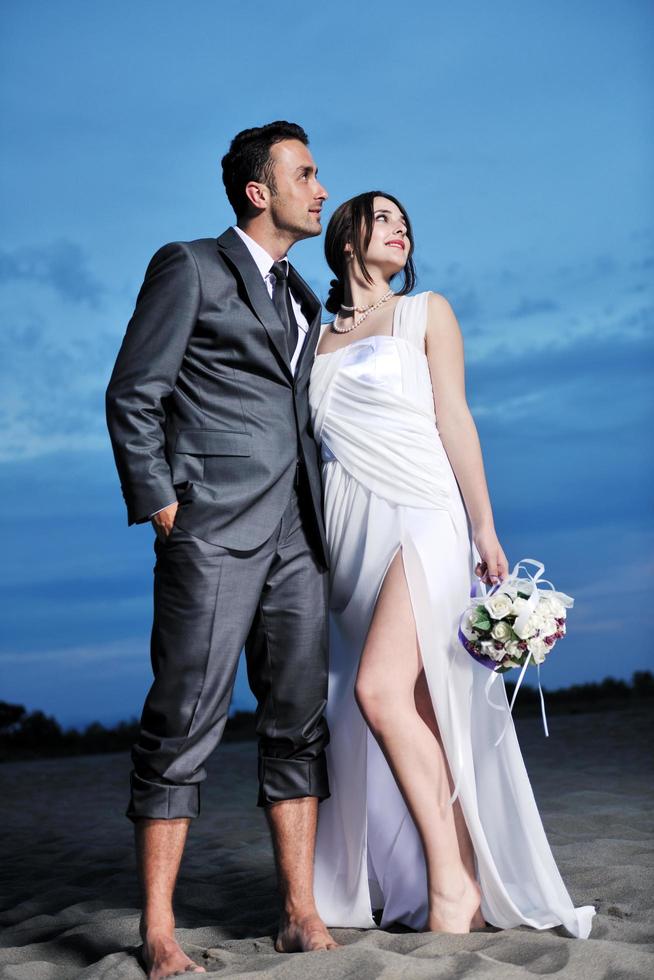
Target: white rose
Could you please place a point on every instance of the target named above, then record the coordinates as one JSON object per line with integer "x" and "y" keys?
{"x": 549, "y": 627}
{"x": 501, "y": 631}
{"x": 466, "y": 625}
{"x": 538, "y": 649}
{"x": 518, "y": 605}
{"x": 499, "y": 605}
{"x": 513, "y": 650}
{"x": 488, "y": 650}
{"x": 530, "y": 628}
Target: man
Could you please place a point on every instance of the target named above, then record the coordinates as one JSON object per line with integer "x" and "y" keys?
{"x": 208, "y": 413}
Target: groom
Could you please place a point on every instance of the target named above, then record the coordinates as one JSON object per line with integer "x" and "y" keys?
{"x": 208, "y": 413}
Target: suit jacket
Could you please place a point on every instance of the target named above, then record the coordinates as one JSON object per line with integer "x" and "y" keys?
{"x": 202, "y": 405}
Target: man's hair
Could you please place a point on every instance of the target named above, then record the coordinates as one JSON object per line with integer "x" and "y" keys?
{"x": 248, "y": 158}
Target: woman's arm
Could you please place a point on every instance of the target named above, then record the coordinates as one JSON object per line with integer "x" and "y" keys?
{"x": 458, "y": 432}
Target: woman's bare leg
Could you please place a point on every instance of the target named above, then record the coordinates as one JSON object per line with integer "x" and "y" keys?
{"x": 386, "y": 693}
{"x": 425, "y": 709}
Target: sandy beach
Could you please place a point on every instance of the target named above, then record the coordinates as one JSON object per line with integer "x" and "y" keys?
{"x": 70, "y": 904}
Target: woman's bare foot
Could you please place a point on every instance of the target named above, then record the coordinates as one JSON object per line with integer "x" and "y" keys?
{"x": 162, "y": 957}
{"x": 303, "y": 934}
{"x": 455, "y": 911}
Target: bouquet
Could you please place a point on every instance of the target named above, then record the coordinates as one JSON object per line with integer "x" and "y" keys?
{"x": 516, "y": 622}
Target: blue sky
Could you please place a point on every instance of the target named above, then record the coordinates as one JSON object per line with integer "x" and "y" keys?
{"x": 517, "y": 134}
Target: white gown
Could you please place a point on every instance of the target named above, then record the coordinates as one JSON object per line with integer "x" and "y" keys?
{"x": 389, "y": 485}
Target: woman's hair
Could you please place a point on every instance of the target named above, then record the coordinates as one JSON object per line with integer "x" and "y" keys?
{"x": 351, "y": 224}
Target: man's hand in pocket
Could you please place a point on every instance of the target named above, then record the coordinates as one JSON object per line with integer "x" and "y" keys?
{"x": 164, "y": 520}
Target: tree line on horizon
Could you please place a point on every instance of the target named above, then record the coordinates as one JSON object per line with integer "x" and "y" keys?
{"x": 32, "y": 735}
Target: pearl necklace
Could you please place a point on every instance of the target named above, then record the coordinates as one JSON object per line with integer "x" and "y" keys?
{"x": 366, "y": 312}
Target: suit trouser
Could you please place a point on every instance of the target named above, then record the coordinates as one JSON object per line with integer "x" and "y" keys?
{"x": 209, "y": 603}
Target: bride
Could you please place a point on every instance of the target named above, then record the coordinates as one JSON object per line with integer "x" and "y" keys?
{"x": 409, "y": 524}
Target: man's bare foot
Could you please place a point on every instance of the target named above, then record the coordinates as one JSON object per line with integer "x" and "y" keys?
{"x": 162, "y": 957}
{"x": 302, "y": 934}
{"x": 455, "y": 911}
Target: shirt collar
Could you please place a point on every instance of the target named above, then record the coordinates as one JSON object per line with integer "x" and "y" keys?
{"x": 263, "y": 260}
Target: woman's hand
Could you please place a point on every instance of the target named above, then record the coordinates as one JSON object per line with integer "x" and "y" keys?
{"x": 493, "y": 566}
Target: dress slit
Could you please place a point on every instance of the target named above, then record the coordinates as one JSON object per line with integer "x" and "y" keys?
{"x": 390, "y": 831}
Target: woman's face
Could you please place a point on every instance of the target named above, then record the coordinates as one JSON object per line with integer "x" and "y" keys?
{"x": 389, "y": 245}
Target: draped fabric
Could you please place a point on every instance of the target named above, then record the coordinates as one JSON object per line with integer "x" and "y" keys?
{"x": 389, "y": 487}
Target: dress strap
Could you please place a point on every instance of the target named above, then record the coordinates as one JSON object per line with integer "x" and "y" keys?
{"x": 411, "y": 321}
{"x": 324, "y": 327}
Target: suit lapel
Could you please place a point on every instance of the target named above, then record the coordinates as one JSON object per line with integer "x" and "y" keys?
{"x": 237, "y": 253}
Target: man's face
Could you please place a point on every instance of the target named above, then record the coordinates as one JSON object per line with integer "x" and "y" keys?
{"x": 296, "y": 205}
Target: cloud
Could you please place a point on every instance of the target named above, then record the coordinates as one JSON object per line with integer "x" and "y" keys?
{"x": 530, "y": 307}
{"x": 626, "y": 350}
{"x": 600, "y": 626}
{"x": 112, "y": 653}
{"x": 62, "y": 265}
{"x": 465, "y": 300}
{"x": 564, "y": 431}
{"x": 55, "y": 360}
{"x": 645, "y": 264}
{"x": 455, "y": 283}
{"x": 627, "y": 580}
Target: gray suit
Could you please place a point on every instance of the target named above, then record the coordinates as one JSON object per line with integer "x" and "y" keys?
{"x": 203, "y": 407}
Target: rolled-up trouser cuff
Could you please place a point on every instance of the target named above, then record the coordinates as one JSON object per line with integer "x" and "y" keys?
{"x": 290, "y": 779}
{"x": 162, "y": 801}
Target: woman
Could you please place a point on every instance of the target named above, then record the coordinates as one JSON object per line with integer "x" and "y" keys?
{"x": 410, "y": 725}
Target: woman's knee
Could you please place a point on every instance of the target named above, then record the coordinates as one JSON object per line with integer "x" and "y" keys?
{"x": 376, "y": 698}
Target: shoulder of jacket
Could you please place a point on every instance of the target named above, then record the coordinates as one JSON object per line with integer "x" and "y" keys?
{"x": 196, "y": 247}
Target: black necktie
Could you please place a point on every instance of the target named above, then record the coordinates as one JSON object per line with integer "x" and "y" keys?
{"x": 283, "y": 305}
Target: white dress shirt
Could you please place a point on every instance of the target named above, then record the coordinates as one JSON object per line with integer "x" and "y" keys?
{"x": 264, "y": 263}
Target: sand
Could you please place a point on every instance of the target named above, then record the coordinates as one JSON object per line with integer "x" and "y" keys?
{"x": 70, "y": 905}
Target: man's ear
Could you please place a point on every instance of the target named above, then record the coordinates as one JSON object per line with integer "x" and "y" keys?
{"x": 257, "y": 194}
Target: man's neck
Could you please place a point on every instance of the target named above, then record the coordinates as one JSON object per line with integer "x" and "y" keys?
{"x": 275, "y": 242}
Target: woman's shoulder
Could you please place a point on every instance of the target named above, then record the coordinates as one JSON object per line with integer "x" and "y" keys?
{"x": 426, "y": 314}
{"x": 439, "y": 310}
{"x": 437, "y": 303}
{"x": 429, "y": 299}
